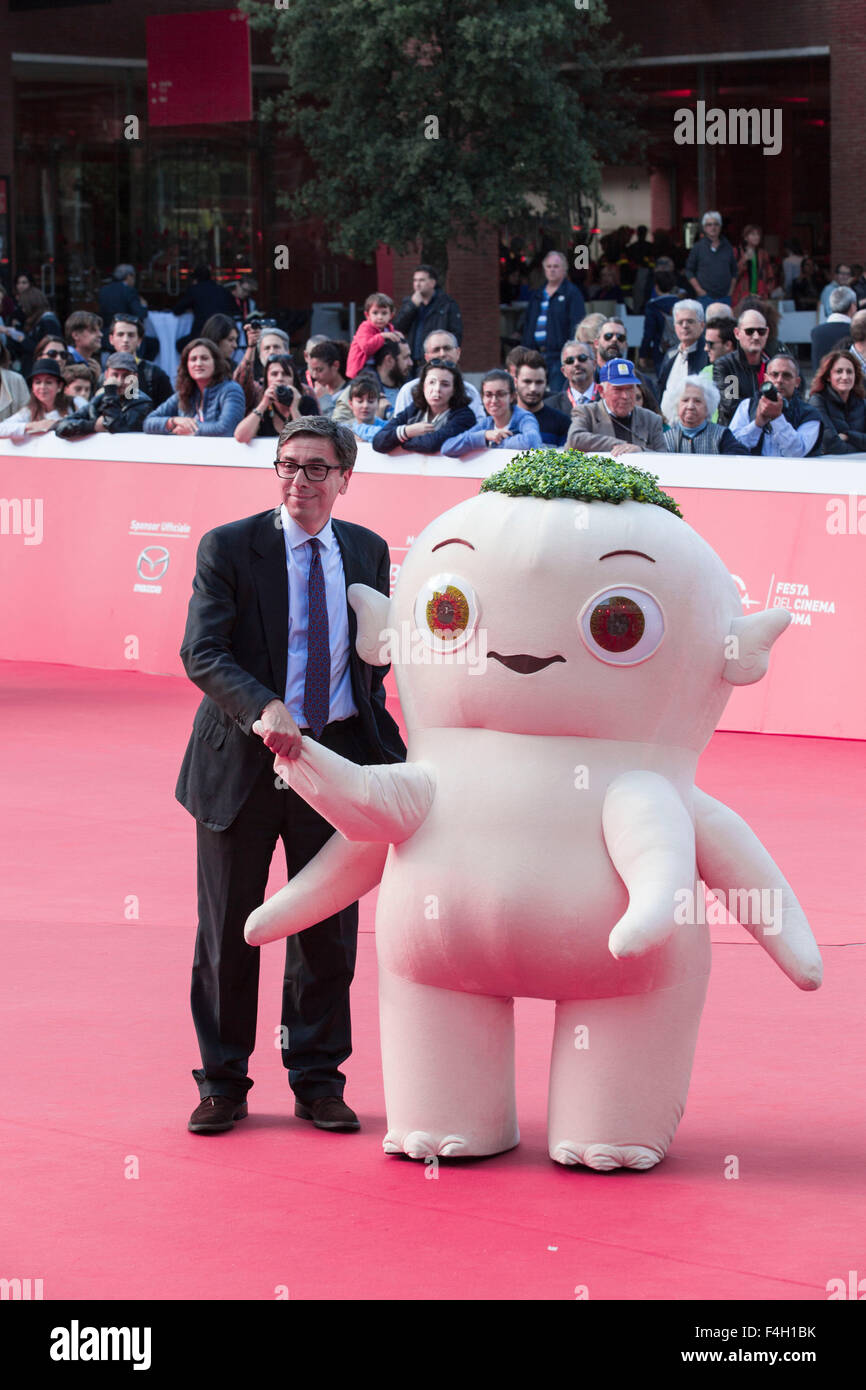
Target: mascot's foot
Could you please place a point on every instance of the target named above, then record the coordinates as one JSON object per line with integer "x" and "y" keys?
{"x": 418, "y": 1144}
{"x": 605, "y": 1157}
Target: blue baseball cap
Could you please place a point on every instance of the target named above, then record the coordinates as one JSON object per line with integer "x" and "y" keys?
{"x": 618, "y": 372}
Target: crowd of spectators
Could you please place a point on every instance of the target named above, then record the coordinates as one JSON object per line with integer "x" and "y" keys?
{"x": 710, "y": 375}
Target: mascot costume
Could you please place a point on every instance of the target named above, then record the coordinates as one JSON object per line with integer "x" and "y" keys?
{"x": 564, "y": 645}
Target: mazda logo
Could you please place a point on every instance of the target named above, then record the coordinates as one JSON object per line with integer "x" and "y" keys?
{"x": 152, "y": 563}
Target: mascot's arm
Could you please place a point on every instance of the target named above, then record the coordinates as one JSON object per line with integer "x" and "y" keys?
{"x": 730, "y": 855}
{"x": 385, "y": 802}
{"x": 651, "y": 842}
{"x": 335, "y": 877}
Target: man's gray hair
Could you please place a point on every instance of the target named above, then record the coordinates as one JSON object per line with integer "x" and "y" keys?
{"x": 711, "y": 393}
{"x": 275, "y": 333}
{"x": 841, "y": 299}
{"x": 440, "y": 333}
{"x": 120, "y": 272}
{"x": 692, "y": 306}
{"x": 345, "y": 443}
{"x": 711, "y": 217}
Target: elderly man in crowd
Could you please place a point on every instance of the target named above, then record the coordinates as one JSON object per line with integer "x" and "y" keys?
{"x": 737, "y": 375}
{"x": 779, "y": 425}
{"x": 551, "y": 315}
{"x": 686, "y": 359}
{"x": 696, "y": 401}
{"x": 843, "y": 277}
{"x": 440, "y": 346}
{"x": 610, "y": 343}
{"x": 712, "y": 267}
{"x": 827, "y": 335}
{"x": 615, "y": 424}
{"x": 578, "y": 368}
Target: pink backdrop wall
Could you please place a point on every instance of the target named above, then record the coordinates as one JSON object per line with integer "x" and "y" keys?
{"x": 107, "y": 582}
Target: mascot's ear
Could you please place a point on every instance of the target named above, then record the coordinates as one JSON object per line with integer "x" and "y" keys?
{"x": 372, "y": 608}
{"x": 750, "y": 641}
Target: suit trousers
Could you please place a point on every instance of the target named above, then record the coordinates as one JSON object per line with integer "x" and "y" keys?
{"x": 233, "y": 866}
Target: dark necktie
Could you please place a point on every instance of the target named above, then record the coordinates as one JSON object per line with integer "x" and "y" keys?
{"x": 317, "y": 683}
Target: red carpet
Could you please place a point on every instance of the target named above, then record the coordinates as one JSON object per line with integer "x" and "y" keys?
{"x": 99, "y": 1047}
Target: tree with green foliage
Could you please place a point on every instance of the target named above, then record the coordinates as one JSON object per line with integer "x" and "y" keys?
{"x": 426, "y": 121}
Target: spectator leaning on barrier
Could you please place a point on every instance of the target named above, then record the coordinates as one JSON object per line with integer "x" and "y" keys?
{"x": 696, "y": 400}
{"x": 615, "y": 424}
{"x": 282, "y": 400}
{"x": 776, "y": 422}
{"x": 206, "y": 401}
{"x": 442, "y": 346}
{"x": 838, "y": 392}
{"x": 551, "y": 315}
{"x": 119, "y": 406}
{"x": 263, "y": 341}
{"x": 363, "y": 400}
{"x": 712, "y": 267}
{"x": 13, "y": 388}
{"x": 427, "y": 308}
{"x": 737, "y": 375}
{"x": 578, "y": 368}
{"x": 686, "y": 359}
{"x": 828, "y": 335}
{"x": 531, "y": 383}
{"x": 439, "y": 409}
{"x": 125, "y": 335}
{"x": 506, "y": 425}
{"x": 46, "y": 404}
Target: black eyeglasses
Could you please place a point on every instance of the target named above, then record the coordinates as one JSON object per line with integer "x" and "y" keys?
{"x": 570, "y": 361}
{"x": 620, "y": 337}
{"x": 313, "y": 472}
{"x": 54, "y": 353}
{"x": 755, "y": 331}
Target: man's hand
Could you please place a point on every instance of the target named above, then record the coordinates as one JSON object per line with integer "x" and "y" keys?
{"x": 620, "y": 447}
{"x": 767, "y": 410}
{"x": 417, "y": 298}
{"x": 278, "y": 731}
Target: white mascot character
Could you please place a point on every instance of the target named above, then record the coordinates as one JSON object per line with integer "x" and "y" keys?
{"x": 564, "y": 644}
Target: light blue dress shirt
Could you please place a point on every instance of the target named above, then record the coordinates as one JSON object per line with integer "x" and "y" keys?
{"x": 298, "y": 556}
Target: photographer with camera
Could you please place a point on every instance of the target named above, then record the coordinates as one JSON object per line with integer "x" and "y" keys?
{"x": 264, "y": 340}
{"x": 775, "y": 421}
{"x": 282, "y": 400}
{"x": 118, "y": 407}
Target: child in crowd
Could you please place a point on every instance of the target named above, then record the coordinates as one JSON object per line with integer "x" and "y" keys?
{"x": 363, "y": 400}
{"x": 372, "y": 333}
{"x": 80, "y": 384}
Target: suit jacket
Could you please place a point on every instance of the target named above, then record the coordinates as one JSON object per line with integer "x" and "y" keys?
{"x": 592, "y": 428}
{"x": 235, "y": 649}
{"x": 696, "y": 359}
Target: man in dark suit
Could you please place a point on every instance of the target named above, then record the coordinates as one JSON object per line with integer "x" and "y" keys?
{"x": 835, "y": 329}
{"x": 270, "y": 639}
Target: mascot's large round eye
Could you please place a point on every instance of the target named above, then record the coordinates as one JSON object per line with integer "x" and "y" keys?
{"x": 622, "y": 626}
{"x": 446, "y": 612}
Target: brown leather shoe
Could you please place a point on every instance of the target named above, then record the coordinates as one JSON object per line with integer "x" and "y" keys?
{"x": 329, "y": 1112}
{"x": 216, "y": 1114}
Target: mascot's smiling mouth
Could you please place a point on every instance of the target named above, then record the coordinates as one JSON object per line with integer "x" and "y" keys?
{"x": 523, "y": 664}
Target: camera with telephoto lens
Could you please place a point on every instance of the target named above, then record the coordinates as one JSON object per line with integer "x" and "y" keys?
{"x": 283, "y": 394}
{"x": 769, "y": 391}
